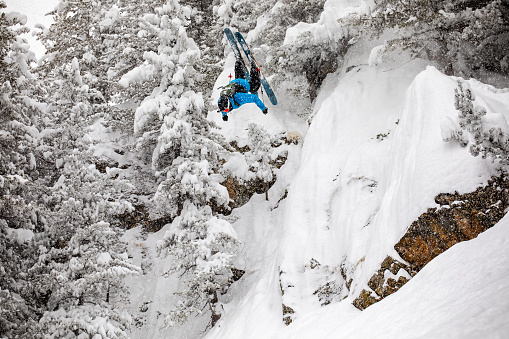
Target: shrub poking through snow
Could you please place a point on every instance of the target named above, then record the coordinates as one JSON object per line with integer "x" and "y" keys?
{"x": 486, "y": 134}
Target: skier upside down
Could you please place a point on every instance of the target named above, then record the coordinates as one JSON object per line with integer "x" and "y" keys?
{"x": 236, "y": 93}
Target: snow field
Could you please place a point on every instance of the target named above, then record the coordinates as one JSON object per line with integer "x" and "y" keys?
{"x": 372, "y": 161}
{"x": 355, "y": 194}
{"x": 462, "y": 293}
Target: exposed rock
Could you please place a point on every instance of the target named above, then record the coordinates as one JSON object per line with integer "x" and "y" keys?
{"x": 236, "y": 274}
{"x": 103, "y": 164}
{"x": 240, "y": 191}
{"x": 287, "y": 310}
{"x": 391, "y": 276}
{"x": 460, "y": 217}
{"x": 384, "y": 282}
{"x": 292, "y": 138}
{"x": 236, "y": 146}
{"x": 328, "y": 292}
{"x": 364, "y": 300}
{"x": 283, "y": 197}
{"x": 140, "y": 216}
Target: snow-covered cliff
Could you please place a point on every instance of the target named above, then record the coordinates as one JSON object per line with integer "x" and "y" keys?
{"x": 372, "y": 161}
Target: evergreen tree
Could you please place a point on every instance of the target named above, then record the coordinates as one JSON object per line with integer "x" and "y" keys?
{"x": 81, "y": 278}
{"x": 80, "y": 199}
{"x": 260, "y": 155}
{"x": 490, "y": 143}
{"x": 464, "y": 37}
{"x": 20, "y": 212}
{"x": 204, "y": 248}
{"x": 77, "y": 200}
{"x": 127, "y": 35}
{"x": 172, "y": 129}
{"x": 77, "y": 32}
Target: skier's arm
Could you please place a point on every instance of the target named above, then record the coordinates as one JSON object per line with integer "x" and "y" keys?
{"x": 244, "y": 98}
{"x": 258, "y": 102}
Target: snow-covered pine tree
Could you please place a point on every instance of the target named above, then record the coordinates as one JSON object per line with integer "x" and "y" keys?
{"x": 202, "y": 245}
{"x": 127, "y": 36}
{"x": 77, "y": 61}
{"x": 260, "y": 155}
{"x": 288, "y": 13}
{"x": 81, "y": 199}
{"x": 203, "y": 248}
{"x": 207, "y": 33}
{"x": 73, "y": 194}
{"x": 464, "y": 37}
{"x": 19, "y": 206}
{"x": 172, "y": 130}
{"x": 241, "y": 14}
{"x": 82, "y": 279}
{"x": 77, "y": 32}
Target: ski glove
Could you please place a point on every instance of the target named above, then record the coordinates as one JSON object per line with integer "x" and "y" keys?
{"x": 265, "y": 111}
{"x": 225, "y": 118}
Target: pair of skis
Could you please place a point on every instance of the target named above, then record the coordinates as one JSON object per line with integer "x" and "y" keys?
{"x": 231, "y": 38}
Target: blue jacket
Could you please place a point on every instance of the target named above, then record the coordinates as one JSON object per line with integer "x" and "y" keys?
{"x": 244, "y": 98}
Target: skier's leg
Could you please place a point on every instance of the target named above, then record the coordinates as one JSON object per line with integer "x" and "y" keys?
{"x": 255, "y": 78}
{"x": 239, "y": 70}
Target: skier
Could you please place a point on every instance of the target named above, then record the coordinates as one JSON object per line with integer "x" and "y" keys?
{"x": 235, "y": 94}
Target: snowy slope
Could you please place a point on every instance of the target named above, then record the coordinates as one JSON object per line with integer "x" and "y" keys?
{"x": 463, "y": 293}
{"x": 354, "y": 195}
{"x": 372, "y": 161}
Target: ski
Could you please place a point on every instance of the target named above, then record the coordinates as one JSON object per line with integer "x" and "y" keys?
{"x": 236, "y": 51}
{"x": 250, "y": 57}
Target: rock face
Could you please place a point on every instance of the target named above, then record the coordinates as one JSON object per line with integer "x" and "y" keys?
{"x": 287, "y": 319}
{"x": 460, "y": 217}
{"x": 240, "y": 191}
{"x": 140, "y": 216}
{"x": 391, "y": 276}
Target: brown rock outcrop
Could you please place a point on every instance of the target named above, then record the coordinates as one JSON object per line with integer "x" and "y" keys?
{"x": 460, "y": 217}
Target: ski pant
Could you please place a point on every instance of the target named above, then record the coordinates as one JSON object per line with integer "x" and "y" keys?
{"x": 254, "y": 74}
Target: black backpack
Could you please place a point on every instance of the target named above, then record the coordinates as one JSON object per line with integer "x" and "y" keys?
{"x": 227, "y": 92}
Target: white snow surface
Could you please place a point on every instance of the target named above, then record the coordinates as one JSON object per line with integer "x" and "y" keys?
{"x": 371, "y": 162}
{"x": 20, "y": 235}
{"x": 462, "y": 293}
